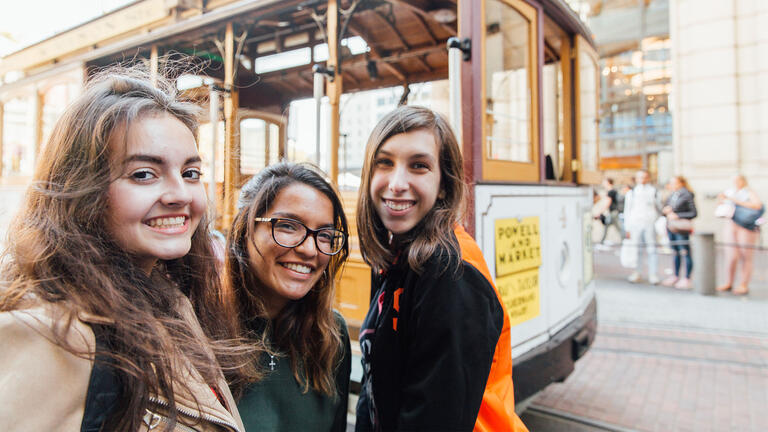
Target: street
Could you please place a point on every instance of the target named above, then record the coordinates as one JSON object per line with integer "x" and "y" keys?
{"x": 664, "y": 360}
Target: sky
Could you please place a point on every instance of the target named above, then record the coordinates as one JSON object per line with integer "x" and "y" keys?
{"x": 25, "y": 22}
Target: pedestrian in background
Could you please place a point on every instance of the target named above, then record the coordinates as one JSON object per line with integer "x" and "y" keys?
{"x": 680, "y": 209}
{"x": 608, "y": 212}
{"x": 641, "y": 209}
{"x": 285, "y": 249}
{"x": 740, "y": 233}
{"x": 108, "y": 269}
{"x": 436, "y": 339}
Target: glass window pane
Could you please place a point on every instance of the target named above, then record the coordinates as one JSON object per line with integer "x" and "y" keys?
{"x": 552, "y": 131}
{"x": 274, "y": 139}
{"x": 253, "y": 149}
{"x": 587, "y": 108}
{"x": 205, "y": 147}
{"x": 55, "y": 100}
{"x": 508, "y": 104}
{"x": 18, "y": 136}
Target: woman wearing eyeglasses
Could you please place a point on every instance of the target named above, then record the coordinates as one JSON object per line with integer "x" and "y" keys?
{"x": 284, "y": 250}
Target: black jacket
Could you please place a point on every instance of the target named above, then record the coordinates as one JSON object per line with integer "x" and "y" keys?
{"x": 428, "y": 342}
{"x": 682, "y": 203}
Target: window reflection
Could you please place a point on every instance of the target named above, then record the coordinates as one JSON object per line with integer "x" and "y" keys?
{"x": 508, "y": 104}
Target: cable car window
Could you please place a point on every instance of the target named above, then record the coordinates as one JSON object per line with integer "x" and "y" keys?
{"x": 18, "y": 136}
{"x": 588, "y": 131}
{"x": 206, "y": 149}
{"x": 258, "y": 145}
{"x": 508, "y": 95}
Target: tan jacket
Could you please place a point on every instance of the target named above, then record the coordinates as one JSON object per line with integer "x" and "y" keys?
{"x": 43, "y": 387}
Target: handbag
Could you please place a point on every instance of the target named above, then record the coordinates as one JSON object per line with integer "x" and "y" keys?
{"x": 680, "y": 226}
{"x": 746, "y": 217}
{"x": 628, "y": 254}
{"x": 725, "y": 210}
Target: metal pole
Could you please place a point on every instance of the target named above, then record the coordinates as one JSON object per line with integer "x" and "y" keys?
{"x": 319, "y": 87}
{"x": 643, "y": 105}
{"x": 153, "y": 65}
{"x": 334, "y": 87}
{"x": 214, "y": 121}
{"x": 454, "y": 87}
{"x": 703, "y": 250}
{"x": 230, "y": 118}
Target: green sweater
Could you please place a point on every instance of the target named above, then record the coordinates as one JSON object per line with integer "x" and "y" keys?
{"x": 277, "y": 404}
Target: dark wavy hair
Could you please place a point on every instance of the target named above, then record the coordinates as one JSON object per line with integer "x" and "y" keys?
{"x": 306, "y": 329}
{"x": 60, "y": 251}
{"x": 433, "y": 233}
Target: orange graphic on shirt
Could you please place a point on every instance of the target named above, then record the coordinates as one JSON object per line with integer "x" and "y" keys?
{"x": 396, "y": 306}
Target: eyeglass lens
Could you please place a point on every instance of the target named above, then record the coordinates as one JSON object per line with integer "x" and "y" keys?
{"x": 290, "y": 233}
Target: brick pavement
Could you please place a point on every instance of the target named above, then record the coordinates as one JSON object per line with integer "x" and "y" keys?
{"x": 665, "y": 360}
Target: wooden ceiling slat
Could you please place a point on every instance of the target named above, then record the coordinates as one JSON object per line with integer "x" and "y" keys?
{"x": 375, "y": 54}
{"x": 424, "y": 14}
{"x": 392, "y": 29}
{"x": 426, "y": 28}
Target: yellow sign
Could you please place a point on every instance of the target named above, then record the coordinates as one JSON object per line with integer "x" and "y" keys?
{"x": 520, "y": 294}
{"x": 518, "y": 245}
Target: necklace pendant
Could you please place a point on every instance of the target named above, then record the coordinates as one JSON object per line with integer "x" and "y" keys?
{"x": 272, "y": 363}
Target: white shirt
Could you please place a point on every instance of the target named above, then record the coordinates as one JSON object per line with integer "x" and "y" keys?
{"x": 742, "y": 194}
{"x": 640, "y": 206}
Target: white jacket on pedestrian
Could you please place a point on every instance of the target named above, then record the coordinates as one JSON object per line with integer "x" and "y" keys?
{"x": 641, "y": 207}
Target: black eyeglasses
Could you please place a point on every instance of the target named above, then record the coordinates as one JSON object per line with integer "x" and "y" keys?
{"x": 290, "y": 233}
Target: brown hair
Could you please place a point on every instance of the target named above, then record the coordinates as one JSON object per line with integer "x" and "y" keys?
{"x": 684, "y": 182}
{"x": 60, "y": 251}
{"x": 305, "y": 329}
{"x": 433, "y": 233}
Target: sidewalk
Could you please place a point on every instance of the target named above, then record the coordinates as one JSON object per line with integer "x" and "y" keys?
{"x": 608, "y": 267}
{"x": 670, "y": 360}
{"x": 620, "y": 302}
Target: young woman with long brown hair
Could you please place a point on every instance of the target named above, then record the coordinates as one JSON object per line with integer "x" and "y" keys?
{"x": 109, "y": 267}
{"x": 436, "y": 340}
{"x": 284, "y": 252}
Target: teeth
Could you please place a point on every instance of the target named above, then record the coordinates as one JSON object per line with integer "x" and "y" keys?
{"x": 298, "y": 268}
{"x": 398, "y": 206}
{"x": 168, "y": 222}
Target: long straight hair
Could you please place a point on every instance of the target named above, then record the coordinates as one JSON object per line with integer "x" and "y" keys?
{"x": 434, "y": 233}
{"x": 60, "y": 251}
{"x": 306, "y": 329}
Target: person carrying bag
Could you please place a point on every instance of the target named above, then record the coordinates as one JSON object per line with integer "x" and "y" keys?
{"x": 680, "y": 210}
{"x": 741, "y": 232}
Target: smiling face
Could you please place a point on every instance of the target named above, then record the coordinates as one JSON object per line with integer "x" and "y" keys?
{"x": 405, "y": 179}
{"x": 289, "y": 273}
{"x": 156, "y": 200}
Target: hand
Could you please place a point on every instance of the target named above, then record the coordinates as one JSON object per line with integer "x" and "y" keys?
{"x": 666, "y": 210}
{"x": 672, "y": 216}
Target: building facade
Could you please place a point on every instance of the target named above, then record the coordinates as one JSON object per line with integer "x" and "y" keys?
{"x": 720, "y": 69}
